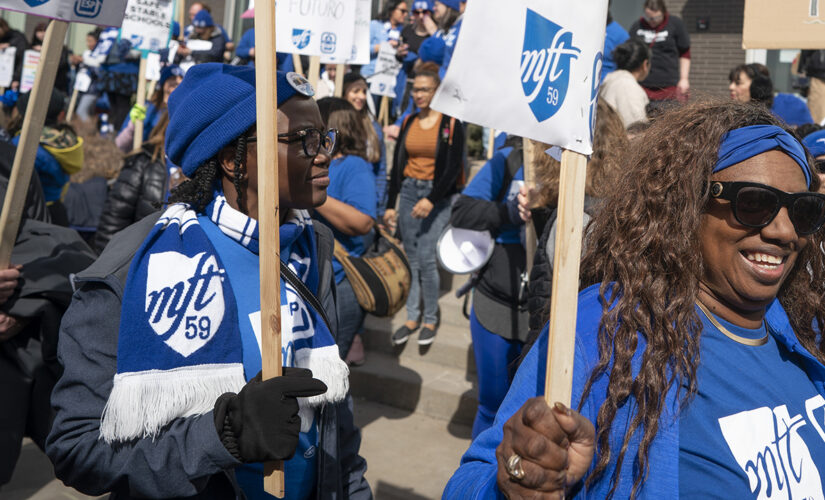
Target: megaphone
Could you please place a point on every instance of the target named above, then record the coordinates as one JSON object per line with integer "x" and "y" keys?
{"x": 463, "y": 251}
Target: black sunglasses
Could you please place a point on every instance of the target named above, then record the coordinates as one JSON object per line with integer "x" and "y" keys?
{"x": 311, "y": 139}
{"x": 756, "y": 205}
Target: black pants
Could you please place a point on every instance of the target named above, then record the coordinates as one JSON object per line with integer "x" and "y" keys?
{"x": 119, "y": 106}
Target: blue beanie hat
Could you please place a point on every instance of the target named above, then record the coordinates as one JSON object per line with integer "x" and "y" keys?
{"x": 453, "y": 4}
{"x": 423, "y": 5}
{"x": 815, "y": 143}
{"x": 432, "y": 50}
{"x": 203, "y": 19}
{"x": 213, "y": 106}
{"x": 175, "y": 29}
{"x": 791, "y": 109}
{"x": 168, "y": 72}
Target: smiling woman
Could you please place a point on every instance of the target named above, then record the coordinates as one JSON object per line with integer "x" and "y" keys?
{"x": 698, "y": 353}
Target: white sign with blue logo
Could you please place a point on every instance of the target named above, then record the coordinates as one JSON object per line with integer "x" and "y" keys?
{"x": 100, "y": 12}
{"x": 314, "y": 28}
{"x": 531, "y": 69}
{"x": 360, "y": 36}
{"x": 148, "y": 24}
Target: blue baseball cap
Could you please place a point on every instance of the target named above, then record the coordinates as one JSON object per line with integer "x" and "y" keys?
{"x": 213, "y": 106}
{"x": 203, "y": 19}
{"x": 815, "y": 143}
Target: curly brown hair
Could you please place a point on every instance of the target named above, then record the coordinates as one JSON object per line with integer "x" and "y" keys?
{"x": 644, "y": 249}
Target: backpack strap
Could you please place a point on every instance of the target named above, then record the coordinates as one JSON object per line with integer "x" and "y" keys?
{"x": 514, "y": 161}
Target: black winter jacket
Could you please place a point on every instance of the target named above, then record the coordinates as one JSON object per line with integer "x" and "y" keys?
{"x": 449, "y": 158}
{"x": 137, "y": 192}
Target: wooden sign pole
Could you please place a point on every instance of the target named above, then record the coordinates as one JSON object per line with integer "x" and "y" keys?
{"x": 561, "y": 343}
{"x": 269, "y": 212}
{"x": 314, "y": 71}
{"x": 530, "y": 240}
{"x": 72, "y": 106}
{"x": 339, "y": 80}
{"x": 182, "y": 16}
{"x": 137, "y": 141}
{"x": 384, "y": 113}
{"x": 491, "y": 143}
{"x": 33, "y": 122}
{"x": 299, "y": 65}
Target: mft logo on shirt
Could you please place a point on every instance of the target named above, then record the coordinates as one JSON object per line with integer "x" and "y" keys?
{"x": 767, "y": 446}
{"x": 545, "y": 70}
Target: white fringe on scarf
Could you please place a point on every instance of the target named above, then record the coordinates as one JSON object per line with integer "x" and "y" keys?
{"x": 142, "y": 403}
{"x": 327, "y": 366}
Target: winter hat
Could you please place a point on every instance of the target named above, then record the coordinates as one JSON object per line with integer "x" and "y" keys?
{"x": 432, "y": 50}
{"x": 214, "y": 105}
{"x": 423, "y": 5}
{"x": 453, "y": 4}
{"x": 175, "y": 29}
{"x": 815, "y": 143}
{"x": 203, "y": 19}
{"x": 168, "y": 72}
{"x": 791, "y": 109}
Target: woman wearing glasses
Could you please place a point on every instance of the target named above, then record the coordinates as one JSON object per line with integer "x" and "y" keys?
{"x": 426, "y": 168}
{"x": 699, "y": 367}
{"x": 387, "y": 28}
{"x": 161, "y": 395}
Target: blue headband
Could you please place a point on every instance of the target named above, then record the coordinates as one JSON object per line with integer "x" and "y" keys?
{"x": 740, "y": 144}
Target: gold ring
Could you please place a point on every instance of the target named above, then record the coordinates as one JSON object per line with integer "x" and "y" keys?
{"x": 514, "y": 467}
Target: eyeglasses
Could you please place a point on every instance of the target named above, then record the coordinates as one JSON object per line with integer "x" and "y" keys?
{"x": 311, "y": 139}
{"x": 419, "y": 12}
{"x": 756, "y": 205}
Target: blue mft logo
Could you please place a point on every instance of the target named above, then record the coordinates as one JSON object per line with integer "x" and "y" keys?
{"x": 35, "y": 3}
{"x": 300, "y": 38}
{"x": 82, "y": 8}
{"x": 545, "y": 64}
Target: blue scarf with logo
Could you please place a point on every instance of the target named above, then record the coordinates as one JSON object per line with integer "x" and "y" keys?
{"x": 180, "y": 346}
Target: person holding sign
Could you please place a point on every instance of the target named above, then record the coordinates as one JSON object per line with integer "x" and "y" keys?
{"x": 206, "y": 43}
{"x": 387, "y": 28}
{"x": 160, "y": 397}
{"x": 11, "y": 38}
{"x": 705, "y": 281}
{"x": 170, "y": 78}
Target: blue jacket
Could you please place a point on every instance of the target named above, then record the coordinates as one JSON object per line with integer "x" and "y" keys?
{"x": 476, "y": 477}
{"x": 187, "y": 459}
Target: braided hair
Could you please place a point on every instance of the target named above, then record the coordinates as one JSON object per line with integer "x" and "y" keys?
{"x": 198, "y": 191}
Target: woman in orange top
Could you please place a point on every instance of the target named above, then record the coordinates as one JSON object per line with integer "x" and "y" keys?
{"x": 426, "y": 167}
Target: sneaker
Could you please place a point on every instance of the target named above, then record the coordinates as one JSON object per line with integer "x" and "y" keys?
{"x": 356, "y": 356}
{"x": 401, "y": 335}
{"x": 426, "y": 336}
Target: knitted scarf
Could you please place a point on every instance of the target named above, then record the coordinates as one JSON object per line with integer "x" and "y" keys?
{"x": 179, "y": 345}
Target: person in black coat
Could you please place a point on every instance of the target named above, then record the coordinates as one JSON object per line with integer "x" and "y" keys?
{"x": 13, "y": 38}
{"x": 139, "y": 189}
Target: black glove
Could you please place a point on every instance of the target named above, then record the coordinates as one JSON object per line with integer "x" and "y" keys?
{"x": 261, "y": 423}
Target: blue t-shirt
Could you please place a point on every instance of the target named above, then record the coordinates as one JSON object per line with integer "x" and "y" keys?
{"x": 756, "y": 428}
{"x": 486, "y": 185}
{"x": 352, "y": 181}
{"x": 244, "y": 276}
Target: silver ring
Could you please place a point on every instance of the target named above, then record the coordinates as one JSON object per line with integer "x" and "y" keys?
{"x": 514, "y": 467}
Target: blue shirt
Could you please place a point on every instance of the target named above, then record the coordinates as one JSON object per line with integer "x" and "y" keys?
{"x": 486, "y": 185}
{"x": 755, "y": 427}
{"x": 244, "y": 275}
{"x": 351, "y": 181}
{"x": 379, "y": 33}
{"x": 614, "y": 36}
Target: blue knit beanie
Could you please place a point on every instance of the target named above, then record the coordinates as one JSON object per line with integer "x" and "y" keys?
{"x": 815, "y": 143}
{"x": 213, "y": 106}
{"x": 453, "y": 4}
{"x": 168, "y": 72}
{"x": 203, "y": 19}
{"x": 422, "y": 5}
{"x": 432, "y": 50}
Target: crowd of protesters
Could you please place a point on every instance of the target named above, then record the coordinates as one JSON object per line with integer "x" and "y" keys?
{"x": 702, "y": 268}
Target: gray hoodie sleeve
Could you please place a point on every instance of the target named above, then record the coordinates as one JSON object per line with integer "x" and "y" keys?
{"x": 177, "y": 463}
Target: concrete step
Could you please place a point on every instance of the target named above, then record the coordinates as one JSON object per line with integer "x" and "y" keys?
{"x": 415, "y": 385}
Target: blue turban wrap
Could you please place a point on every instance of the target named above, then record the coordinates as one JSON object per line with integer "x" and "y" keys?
{"x": 740, "y": 144}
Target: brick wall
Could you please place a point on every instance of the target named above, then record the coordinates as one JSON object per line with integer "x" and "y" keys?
{"x": 716, "y": 50}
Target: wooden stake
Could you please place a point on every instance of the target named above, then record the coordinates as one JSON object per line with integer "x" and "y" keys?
{"x": 299, "y": 65}
{"x": 141, "y": 101}
{"x": 384, "y": 113}
{"x": 530, "y": 240}
{"x": 72, "y": 106}
{"x": 35, "y": 118}
{"x": 314, "y": 71}
{"x": 182, "y": 16}
{"x": 491, "y": 143}
{"x": 558, "y": 384}
{"x": 339, "y": 79}
{"x": 269, "y": 212}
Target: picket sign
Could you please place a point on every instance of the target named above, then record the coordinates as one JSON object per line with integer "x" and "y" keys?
{"x": 339, "y": 79}
{"x": 72, "y": 105}
{"x": 33, "y": 121}
{"x": 314, "y": 70}
{"x": 181, "y": 13}
{"x": 268, "y": 219}
{"x": 538, "y": 78}
{"x": 137, "y": 140}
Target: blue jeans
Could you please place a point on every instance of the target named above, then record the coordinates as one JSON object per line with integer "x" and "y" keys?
{"x": 420, "y": 237}
{"x": 494, "y": 355}
{"x": 350, "y": 316}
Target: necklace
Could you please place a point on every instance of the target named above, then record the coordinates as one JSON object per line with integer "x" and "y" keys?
{"x": 731, "y": 335}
